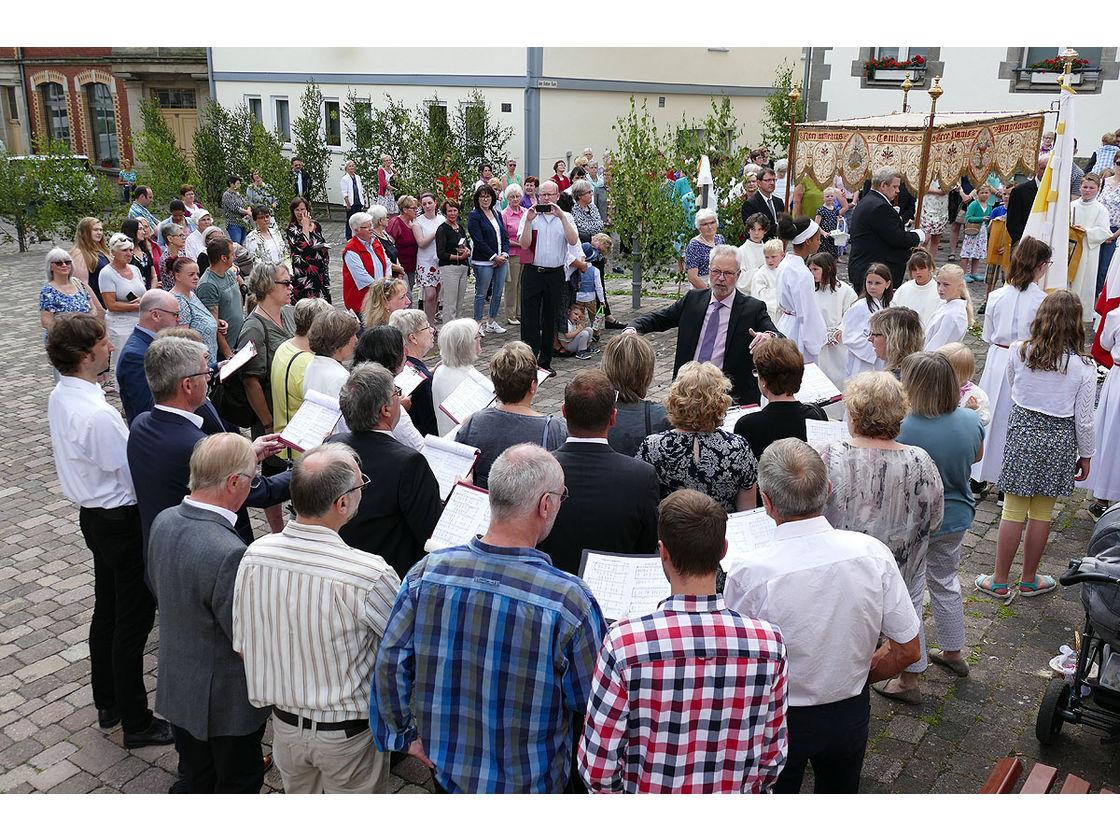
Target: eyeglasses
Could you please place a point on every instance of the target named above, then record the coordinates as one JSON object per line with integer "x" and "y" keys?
{"x": 715, "y": 272}
{"x": 562, "y": 493}
{"x": 876, "y": 335}
{"x": 284, "y": 283}
{"x": 255, "y": 479}
{"x": 397, "y": 390}
{"x": 205, "y": 373}
{"x": 166, "y": 312}
{"x": 366, "y": 481}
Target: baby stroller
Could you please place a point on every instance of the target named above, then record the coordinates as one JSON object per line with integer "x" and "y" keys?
{"x": 1091, "y": 695}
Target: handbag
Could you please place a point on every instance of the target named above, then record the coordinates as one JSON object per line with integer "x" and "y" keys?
{"x": 230, "y": 400}
{"x": 972, "y": 229}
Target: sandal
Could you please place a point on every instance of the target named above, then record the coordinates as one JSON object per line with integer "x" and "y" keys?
{"x": 999, "y": 591}
{"x": 1041, "y": 585}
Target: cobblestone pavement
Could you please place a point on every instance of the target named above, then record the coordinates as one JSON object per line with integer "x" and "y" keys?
{"x": 49, "y": 740}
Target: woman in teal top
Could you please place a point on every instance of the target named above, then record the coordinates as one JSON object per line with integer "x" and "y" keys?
{"x": 974, "y": 248}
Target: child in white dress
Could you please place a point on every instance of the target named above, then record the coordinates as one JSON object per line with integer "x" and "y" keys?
{"x": 834, "y": 297}
{"x": 764, "y": 286}
{"x": 919, "y": 292}
{"x": 963, "y": 361}
{"x": 953, "y": 318}
{"x": 751, "y": 256}
{"x": 856, "y": 326}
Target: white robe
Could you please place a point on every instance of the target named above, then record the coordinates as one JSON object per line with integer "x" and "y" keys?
{"x": 751, "y": 259}
{"x": 764, "y": 286}
{"x": 948, "y": 324}
{"x": 922, "y": 299}
{"x": 1094, "y": 218}
{"x": 856, "y": 327}
{"x": 833, "y": 304}
{"x": 1104, "y": 471}
{"x": 1007, "y": 318}
{"x": 802, "y": 322}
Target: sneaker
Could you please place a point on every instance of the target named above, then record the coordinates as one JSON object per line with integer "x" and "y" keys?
{"x": 1097, "y": 509}
{"x": 583, "y": 354}
{"x": 594, "y": 350}
{"x": 513, "y": 322}
{"x": 495, "y": 327}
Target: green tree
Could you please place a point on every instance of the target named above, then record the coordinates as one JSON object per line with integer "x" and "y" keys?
{"x": 716, "y": 136}
{"x": 777, "y": 110}
{"x": 646, "y": 213}
{"x": 166, "y": 166}
{"x": 264, "y": 153}
{"x": 45, "y": 195}
{"x": 479, "y": 137}
{"x": 360, "y": 121}
{"x": 218, "y": 150}
{"x": 311, "y": 145}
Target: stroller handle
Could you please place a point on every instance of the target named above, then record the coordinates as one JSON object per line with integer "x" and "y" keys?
{"x": 1075, "y": 576}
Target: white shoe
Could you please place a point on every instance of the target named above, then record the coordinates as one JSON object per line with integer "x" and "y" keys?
{"x": 495, "y": 327}
{"x": 513, "y": 322}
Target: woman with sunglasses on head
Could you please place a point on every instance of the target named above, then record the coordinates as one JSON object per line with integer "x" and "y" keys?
{"x": 193, "y": 313}
{"x": 122, "y": 286}
{"x": 142, "y": 255}
{"x": 63, "y": 292}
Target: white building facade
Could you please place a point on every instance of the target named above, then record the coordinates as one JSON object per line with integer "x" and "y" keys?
{"x": 557, "y": 100}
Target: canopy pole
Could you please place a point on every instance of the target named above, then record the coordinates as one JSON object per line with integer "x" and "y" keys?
{"x": 794, "y": 98}
{"x": 934, "y": 93}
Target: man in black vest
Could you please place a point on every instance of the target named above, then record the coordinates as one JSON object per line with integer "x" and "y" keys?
{"x": 1020, "y": 201}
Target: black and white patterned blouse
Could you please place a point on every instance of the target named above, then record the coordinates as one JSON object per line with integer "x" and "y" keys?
{"x": 724, "y": 466}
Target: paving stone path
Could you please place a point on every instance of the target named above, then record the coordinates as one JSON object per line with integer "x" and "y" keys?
{"x": 49, "y": 740}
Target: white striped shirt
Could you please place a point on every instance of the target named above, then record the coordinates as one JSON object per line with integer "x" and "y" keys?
{"x": 309, "y": 612}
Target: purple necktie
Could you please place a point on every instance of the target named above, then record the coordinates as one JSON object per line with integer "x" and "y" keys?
{"x": 711, "y": 327}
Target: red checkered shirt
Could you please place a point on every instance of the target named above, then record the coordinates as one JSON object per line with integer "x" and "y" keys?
{"x": 688, "y": 699}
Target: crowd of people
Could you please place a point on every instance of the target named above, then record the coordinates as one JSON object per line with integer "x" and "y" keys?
{"x": 491, "y": 661}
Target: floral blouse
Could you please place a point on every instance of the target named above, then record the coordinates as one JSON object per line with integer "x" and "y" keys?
{"x": 698, "y": 252}
{"x": 310, "y": 271}
{"x": 52, "y": 300}
{"x": 725, "y": 465}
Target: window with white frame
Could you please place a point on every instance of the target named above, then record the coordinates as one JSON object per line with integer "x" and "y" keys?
{"x": 102, "y": 125}
{"x": 1034, "y": 55}
{"x": 256, "y": 109}
{"x": 282, "y": 122}
{"x": 332, "y": 123}
{"x": 55, "y": 115}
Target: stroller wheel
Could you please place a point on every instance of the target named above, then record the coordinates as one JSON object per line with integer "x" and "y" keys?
{"x": 1049, "y": 722}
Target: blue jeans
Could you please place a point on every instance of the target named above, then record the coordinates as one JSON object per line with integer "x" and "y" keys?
{"x": 484, "y": 275}
{"x": 236, "y": 234}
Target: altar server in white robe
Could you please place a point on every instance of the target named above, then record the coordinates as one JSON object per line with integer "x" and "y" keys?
{"x": 802, "y": 322}
{"x": 1090, "y": 214}
{"x": 856, "y": 326}
{"x": 953, "y": 318}
{"x": 834, "y": 297}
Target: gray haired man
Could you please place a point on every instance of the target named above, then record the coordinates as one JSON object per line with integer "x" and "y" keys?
{"x": 195, "y": 551}
{"x": 833, "y": 593}
{"x": 326, "y": 605}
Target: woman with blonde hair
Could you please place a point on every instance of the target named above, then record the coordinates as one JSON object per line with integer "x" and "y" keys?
{"x": 1053, "y": 385}
{"x": 895, "y": 333}
{"x": 696, "y": 453}
{"x": 511, "y": 419}
{"x": 628, "y": 361}
{"x": 383, "y": 299}
{"x": 881, "y": 487}
{"x": 90, "y": 253}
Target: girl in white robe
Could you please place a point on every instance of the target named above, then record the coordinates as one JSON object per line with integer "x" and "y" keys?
{"x": 953, "y": 318}
{"x": 1104, "y": 478}
{"x": 751, "y": 256}
{"x": 764, "y": 286}
{"x": 834, "y": 297}
{"x": 856, "y": 326}
{"x": 1008, "y": 319}
{"x": 802, "y": 322}
{"x": 920, "y": 291}
{"x": 1090, "y": 214}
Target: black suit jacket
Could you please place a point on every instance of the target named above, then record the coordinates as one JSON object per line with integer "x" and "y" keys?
{"x": 906, "y": 203}
{"x": 757, "y": 204}
{"x": 400, "y": 509}
{"x": 306, "y": 192}
{"x": 160, "y": 444}
{"x": 878, "y": 235}
{"x": 612, "y": 505}
{"x": 1019, "y": 205}
{"x": 688, "y": 315}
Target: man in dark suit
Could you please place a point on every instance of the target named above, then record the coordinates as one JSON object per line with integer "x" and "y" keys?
{"x": 612, "y": 501}
{"x": 160, "y": 441}
{"x": 398, "y": 511}
{"x": 725, "y": 334}
{"x": 1021, "y": 199}
{"x": 764, "y": 201}
{"x": 301, "y": 184}
{"x": 158, "y": 310}
{"x": 195, "y": 553}
{"x": 878, "y": 232}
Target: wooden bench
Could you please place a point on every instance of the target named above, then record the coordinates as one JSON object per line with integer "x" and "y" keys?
{"x": 1041, "y": 779}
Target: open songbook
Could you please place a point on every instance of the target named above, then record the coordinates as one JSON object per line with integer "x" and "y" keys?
{"x": 820, "y": 431}
{"x": 469, "y": 396}
{"x": 316, "y": 418}
{"x": 450, "y": 461}
{"x": 408, "y": 380}
{"x": 466, "y": 515}
{"x": 746, "y": 531}
{"x": 237, "y": 361}
{"x": 817, "y": 388}
{"x": 733, "y": 415}
{"x": 625, "y": 585}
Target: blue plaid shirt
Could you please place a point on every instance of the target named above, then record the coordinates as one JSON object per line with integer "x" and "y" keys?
{"x": 495, "y": 650}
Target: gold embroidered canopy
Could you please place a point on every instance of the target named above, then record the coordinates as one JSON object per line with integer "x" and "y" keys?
{"x": 964, "y": 143}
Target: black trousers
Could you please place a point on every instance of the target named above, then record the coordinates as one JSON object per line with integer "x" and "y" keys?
{"x": 831, "y": 737}
{"x": 354, "y": 208}
{"x": 540, "y": 297}
{"x": 123, "y": 612}
{"x": 224, "y": 764}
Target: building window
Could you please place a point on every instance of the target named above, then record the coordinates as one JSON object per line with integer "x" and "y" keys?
{"x": 57, "y": 120}
{"x": 1033, "y": 55}
{"x": 283, "y": 123}
{"x": 437, "y": 118}
{"x": 474, "y": 121}
{"x": 255, "y": 109}
{"x": 175, "y": 97}
{"x": 363, "y": 116}
{"x": 102, "y": 125}
{"x": 332, "y": 123}
{"x": 13, "y": 107}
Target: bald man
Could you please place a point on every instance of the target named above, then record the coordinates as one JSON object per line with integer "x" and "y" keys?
{"x": 158, "y": 311}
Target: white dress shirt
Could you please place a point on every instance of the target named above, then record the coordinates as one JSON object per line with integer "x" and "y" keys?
{"x": 90, "y": 441}
{"x": 552, "y": 241}
{"x": 832, "y": 593}
{"x": 226, "y": 514}
{"x": 190, "y": 415}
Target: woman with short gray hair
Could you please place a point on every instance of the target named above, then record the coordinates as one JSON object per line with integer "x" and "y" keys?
{"x": 698, "y": 252}
{"x": 175, "y": 239}
{"x": 418, "y": 340}
{"x": 460, "y": 343}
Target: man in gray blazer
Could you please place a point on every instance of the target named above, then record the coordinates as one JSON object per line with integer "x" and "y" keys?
{"x": 193, "y": 555}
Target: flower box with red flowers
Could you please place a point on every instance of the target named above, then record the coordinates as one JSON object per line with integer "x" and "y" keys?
{"x": 891, "y": 69}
